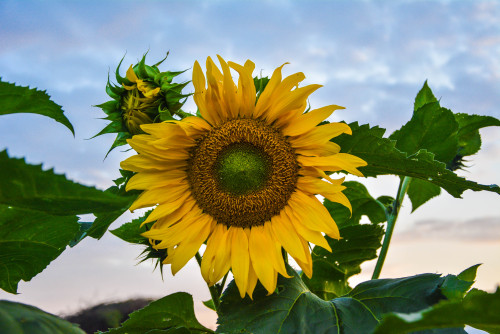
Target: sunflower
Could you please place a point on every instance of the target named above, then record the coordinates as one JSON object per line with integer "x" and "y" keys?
{"x": 242, "y": 177}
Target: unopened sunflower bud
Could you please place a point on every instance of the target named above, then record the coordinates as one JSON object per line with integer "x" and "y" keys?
{"x": 145, "y": 95}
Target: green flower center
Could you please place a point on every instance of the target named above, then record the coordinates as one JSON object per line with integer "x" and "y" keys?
{"x": 242, "y": 169}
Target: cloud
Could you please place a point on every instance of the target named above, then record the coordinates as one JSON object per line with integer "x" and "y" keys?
{"x": 477, "y": 229}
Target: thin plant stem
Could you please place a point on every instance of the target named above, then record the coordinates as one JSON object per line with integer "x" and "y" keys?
{"x": 392, "y": 216}
{"x": 213, "y": 289}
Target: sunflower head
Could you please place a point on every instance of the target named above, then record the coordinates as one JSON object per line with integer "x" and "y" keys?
{"x": 145, "y": 95}
{"x": 242, "y": 177}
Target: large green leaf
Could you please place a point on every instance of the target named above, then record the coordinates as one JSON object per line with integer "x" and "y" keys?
{"x": 18, "y": 99}
{"x": 293, "y": 308}
{"x": 28, "y": 186}
{"x": 421, "y": 191}
{"x": 384, "y": 158}
{"x": 331, "y": 271}
{"x": 469, "y": 140}
{"x": 29, "y": 241}
{"x": 359, "y": 243}
{"x": 168, "y": 313}
{"x": 423, "y": 97}
{"x": 432, "y": 128}
{"x": 478, "y": 309}
{"x": 16, "y": 318}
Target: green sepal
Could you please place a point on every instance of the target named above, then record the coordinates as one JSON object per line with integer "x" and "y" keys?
{"x": 260, "y": 85}
{"x": 119, "y": 78}
{"x": 113, "y": 127}
{"x": 165, "y": 115}
{"x": 109, "y": 107}
{"x": 210, "y": 304}
{"x": 120, "y": 140}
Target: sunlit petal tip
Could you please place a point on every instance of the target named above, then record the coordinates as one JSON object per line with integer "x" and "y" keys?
{"x": 131, "y": 74}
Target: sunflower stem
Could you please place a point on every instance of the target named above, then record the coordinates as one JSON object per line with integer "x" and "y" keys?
{"x": 392, "y": 215}
{"x": 213, "y": 289}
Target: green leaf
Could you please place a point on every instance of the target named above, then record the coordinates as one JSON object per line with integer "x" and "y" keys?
{"x": 424, "y": 96}
{"x": 170, "y": 312}
{"x": 17, "y": 318}
{"x": 131, "y": 232}
{"x": 478, "y": 309}
{"x": 82, "y": 233}
{"x": 294, "y": 309}
{"x": 432, "y": 128}
{"x": 331, "y": 271}
{"x": 29, "y": 241}
{"x": 420, "y": 191}
{"x": 18, "y": 99}
{"x": 469, "y": 274}
{"x": 384, "y": 158}
{"x": 469, "y": 140}
{"x": 28, "y": 186}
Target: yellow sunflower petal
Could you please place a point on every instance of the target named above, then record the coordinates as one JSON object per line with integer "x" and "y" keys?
{"x": 340, "y": 161}
{"x": 307, "y": 122}
{"x": 164, "y": 212}
{"x": 230, "y": 100}
{"x": 246, "y": 87}
{"x": 240, "y": 259}
{"x": 259, "y": 246}
{"x": 320, "y": 134}
{"x": 319, "y": 217}
{"x": 276, "y": 252}
{"x": 189, "y": 247}
{"x": 264, "y": 100}
{"x": 222, "y": 261}
{"x": 131, "y": 76}
{"x": 286, "y": 234}
{"x": 310, "y": 235}
{"x": 144, "y": 181}
{"x": 291, "y": 101}
{"x": 306, "y": 266}
{"x": 252, "y": 281}
{"x": 207, "y": 263}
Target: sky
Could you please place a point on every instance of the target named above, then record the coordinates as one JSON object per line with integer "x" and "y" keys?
{"x": 371, "y": 56}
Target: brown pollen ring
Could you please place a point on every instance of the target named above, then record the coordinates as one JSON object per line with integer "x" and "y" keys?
{"x": 256, "y": 207}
